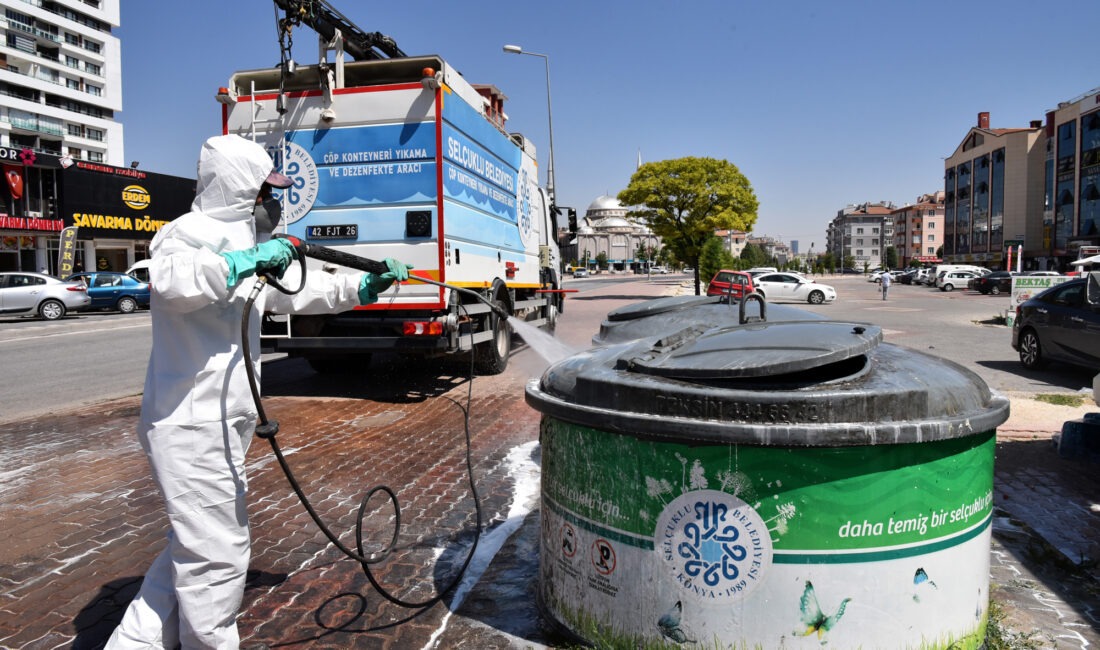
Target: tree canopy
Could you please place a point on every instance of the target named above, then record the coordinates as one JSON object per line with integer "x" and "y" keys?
{"x": 685, "y": 200}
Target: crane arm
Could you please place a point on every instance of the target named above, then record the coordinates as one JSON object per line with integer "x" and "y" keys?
{"x": 323, "y": 18}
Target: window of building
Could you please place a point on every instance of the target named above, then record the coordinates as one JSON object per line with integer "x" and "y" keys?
{"x": 93, "y": 90}
{"x": 874, "y": 231}
{"x": 859, "y": 252}
{"x": 859, "y": 242}
{"x": 931, "y": 237}
{"x": 72, "y": 62}
{"x": 72, "y": 39}
{"x": 859, "y": 231}
{"x": 92, "y": 46}
{"x": 979, "y": 216}
{"x": 72, "y": 83}
{"x": 95, "y": 156}
{"x": 94, "y": 134}
{"x": 997, "y": 201}
{"x": 76, "y": 130}
{"x": 92, "y": 68}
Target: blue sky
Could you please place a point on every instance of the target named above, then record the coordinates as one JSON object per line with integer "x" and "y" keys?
{"x": 820, "y": 104}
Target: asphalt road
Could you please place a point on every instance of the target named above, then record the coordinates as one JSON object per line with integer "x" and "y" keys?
{"x": 86, "y": 358}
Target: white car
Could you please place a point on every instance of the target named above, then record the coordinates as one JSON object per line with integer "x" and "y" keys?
{"x": 792, "y": 286}
{"x": 952, "y": 279}
{"x": 658, "y": 270}
{"x": 26, "y": 293}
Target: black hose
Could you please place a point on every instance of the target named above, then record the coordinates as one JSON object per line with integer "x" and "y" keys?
{"x": 268, "y": 429}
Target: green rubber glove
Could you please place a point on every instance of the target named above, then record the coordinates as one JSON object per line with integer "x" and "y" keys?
{"x": 371, "y": 285}
{"x": 271, "y": 257}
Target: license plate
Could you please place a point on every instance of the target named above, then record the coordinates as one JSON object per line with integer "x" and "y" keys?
{"x": 339, "y": 231}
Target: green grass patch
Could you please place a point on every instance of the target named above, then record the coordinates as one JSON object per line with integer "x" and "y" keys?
{"x": 1059, "y": 399}
{"x": 1000, "y": 637}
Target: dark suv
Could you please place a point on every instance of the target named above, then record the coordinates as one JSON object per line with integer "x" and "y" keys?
{"x": 995, "y": 283}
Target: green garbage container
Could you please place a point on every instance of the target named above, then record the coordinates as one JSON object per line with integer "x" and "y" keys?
{"x": 766, "y": 485}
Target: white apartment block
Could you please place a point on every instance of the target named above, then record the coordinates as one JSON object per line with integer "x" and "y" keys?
{"x": 61, "y": 79}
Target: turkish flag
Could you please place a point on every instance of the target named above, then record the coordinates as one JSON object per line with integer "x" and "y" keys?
{"x": 14, "y": 174}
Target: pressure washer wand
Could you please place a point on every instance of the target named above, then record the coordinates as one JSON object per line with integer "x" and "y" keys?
{"x": 326, "y": 254}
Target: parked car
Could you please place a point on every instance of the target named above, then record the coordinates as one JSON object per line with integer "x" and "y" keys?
{"x": 792, "y": 286}
{"x": 110, "y": 290}
{"x": 925, "y": 276}
{"x": 580, "y": 273}
{"x": 951, "y": 280}
{"x": 876, "y": 276}
{"x": 1058, "y": 325}
{"x": 906, "y": 277}
{"x": 25, "y": 292}
{"x": 731, "y": 284}
{"x": 995, "y": 283}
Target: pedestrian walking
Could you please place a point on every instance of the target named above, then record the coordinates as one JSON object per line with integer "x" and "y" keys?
{"x": 885, "y": 278}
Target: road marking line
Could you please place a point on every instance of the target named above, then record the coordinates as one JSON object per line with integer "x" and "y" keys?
{"x": 46, "y": 336}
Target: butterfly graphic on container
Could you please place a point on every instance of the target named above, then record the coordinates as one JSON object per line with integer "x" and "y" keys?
{"x": 813, "y": 618}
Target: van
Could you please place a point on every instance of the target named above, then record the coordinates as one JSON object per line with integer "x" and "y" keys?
{"x": 139, "y": 270}
{"x": 940, "y": 269}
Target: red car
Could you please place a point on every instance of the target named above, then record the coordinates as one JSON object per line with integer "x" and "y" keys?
{"x": 732, "y": 284}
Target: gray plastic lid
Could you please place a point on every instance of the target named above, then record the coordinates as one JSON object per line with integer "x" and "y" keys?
{"x": 762, "y": 349}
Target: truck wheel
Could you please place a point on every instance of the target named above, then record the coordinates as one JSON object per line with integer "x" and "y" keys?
{"x": 492, "y": 356}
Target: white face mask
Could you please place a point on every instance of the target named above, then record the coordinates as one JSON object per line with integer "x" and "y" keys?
{"x": 268, "y": 213}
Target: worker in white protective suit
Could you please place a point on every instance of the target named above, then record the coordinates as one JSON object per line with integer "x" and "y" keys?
{"x": 197, "y": 414}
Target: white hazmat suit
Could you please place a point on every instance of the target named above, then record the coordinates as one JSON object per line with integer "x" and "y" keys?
{"x": 197, "y": 414}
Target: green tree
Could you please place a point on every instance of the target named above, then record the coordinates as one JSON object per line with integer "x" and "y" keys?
{"x": 714, "y": 257}
{"x": 891, "y": 257}
{"x": 753, "y": 255}
{"x": 601, "y": 261}
{"x": 685, "y": 200}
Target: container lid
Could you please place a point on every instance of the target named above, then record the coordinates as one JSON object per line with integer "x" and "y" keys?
{"x": 788, "y": 383}
{"x": 761, "y": 349}
{"x": 648, "y": 308}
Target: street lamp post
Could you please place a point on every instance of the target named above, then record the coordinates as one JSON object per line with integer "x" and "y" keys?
{"x": 515, "y": 49}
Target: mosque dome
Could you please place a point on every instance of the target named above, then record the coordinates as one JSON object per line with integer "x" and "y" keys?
{"x": 615, "y": 222}
{"x": 605, "y": 202}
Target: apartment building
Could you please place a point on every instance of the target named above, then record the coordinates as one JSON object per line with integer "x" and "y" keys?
{"x": 918, "y": 230}
{"x": 60, "y": 87}
{"x": 1071, "y": 182}
{"x": 862, "y": 232}
{"x": 993, "y": 194}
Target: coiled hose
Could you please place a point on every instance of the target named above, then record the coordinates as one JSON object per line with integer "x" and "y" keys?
{"x": 268, "y": 429}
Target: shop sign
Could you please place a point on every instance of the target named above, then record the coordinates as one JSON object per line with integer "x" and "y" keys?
{"x": 28, "y": 223}
{"x": 121, "y": 203}
{"x": 66, "y": 254}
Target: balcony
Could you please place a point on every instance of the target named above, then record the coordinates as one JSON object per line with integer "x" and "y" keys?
{"x": 35, "y": 125}
{"x": 32, "y": 30}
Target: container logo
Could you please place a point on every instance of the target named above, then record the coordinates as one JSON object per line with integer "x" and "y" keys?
{"x": 715, "y": 547}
